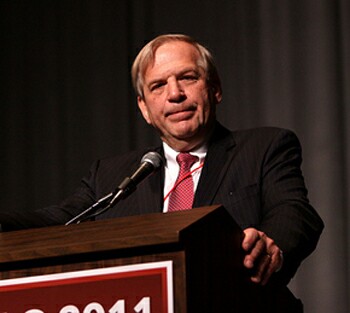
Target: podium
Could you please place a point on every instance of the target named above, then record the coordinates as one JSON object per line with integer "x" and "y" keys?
{"x": 200, "y": 247}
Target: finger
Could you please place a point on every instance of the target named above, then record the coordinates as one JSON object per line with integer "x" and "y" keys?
{"x": 251, "y": 235}
{"x": 253, "y": 239}
{"x": 263, "y": 270}
{"x": 255, "y": 254}
{"x": 274, "y": 265}
{"x": 260, "y": 246}
{"x": 256, "y": 245}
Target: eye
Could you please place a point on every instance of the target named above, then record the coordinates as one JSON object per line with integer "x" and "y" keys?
{"x": 157, "y": 86}
{"x": 189, "y": 77}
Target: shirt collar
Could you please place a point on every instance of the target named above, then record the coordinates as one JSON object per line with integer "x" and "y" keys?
{"x": 170, "y": 154}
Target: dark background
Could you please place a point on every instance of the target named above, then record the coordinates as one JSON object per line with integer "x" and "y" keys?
{"x": 66, "y": 98}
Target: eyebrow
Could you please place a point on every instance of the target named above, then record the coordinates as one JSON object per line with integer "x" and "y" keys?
{"x": 184, "y": 71}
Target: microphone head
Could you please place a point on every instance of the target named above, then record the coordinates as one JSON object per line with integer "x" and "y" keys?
{"x": 150, "y": 162}
{"x": 154, "y": 158}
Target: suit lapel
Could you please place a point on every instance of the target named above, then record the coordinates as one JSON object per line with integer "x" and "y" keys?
{"x": 217, "y": 161}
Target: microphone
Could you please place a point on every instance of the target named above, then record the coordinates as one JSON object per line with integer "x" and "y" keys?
{"x": 150, "y": 162}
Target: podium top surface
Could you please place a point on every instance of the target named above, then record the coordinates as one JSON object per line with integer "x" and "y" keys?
{"x": 104, "y": 235}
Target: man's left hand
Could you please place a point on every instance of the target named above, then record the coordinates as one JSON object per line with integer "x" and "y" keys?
{"x": 263, "y": 255}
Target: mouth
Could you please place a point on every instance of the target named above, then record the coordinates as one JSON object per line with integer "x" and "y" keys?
{"x": 181, "y": 113}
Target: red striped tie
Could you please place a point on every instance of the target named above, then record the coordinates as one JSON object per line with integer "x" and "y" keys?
{"x": 182, "y": 196}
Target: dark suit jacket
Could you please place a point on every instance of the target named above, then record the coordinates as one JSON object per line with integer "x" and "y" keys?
{"x": 254, "y": 173}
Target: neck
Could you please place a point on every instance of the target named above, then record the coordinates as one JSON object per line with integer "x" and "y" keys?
{"x": 184, "y": 146}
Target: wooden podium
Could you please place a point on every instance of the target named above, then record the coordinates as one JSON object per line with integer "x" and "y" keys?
{"x": 202, "y": 244}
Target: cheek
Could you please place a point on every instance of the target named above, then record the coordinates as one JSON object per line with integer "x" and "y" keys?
{"x": 206, "y": 106}
{"x": 155, "y": 114}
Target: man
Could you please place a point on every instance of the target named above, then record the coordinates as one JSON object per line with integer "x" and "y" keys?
{"x": 255, "y": 173}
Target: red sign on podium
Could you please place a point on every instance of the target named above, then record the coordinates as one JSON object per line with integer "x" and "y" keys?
{"x": 141, "y": 288}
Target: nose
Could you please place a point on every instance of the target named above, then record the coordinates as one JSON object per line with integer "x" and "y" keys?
{"x": 175, "y": 91}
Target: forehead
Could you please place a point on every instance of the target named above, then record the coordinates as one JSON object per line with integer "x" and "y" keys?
{"x": 172, "y": 56}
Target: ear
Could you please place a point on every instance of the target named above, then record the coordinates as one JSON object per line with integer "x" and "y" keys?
{"x": 143, "y": 108}
{"x": 216, "y": 95}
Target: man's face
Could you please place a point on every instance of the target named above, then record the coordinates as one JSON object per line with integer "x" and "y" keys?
{"x": 176, "y": 100}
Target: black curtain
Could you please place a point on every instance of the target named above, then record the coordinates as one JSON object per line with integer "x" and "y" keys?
{"x": 66, "y": 98}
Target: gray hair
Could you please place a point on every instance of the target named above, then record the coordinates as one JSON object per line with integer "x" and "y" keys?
{"x": 146, "y": 57}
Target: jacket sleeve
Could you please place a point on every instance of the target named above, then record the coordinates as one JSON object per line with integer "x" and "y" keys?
{"x": 58, "y": 214}
{"x": 288, "y": 217}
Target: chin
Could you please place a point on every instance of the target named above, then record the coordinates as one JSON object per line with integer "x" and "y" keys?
{"x": 185, "y": 133}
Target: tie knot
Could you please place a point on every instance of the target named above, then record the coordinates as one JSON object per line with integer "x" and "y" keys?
{"x": 186, "y": 160}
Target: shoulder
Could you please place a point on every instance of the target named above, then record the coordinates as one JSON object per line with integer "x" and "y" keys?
{"x": 108, "y": 172}
{"x": 264, "y": 142}
{"x": 266, "y": 137}
{"x": 256, "y": 139}
{"x": 126, "y": 161}
{"x": 263, "y": 133}
{"x": 122, "y": 158}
